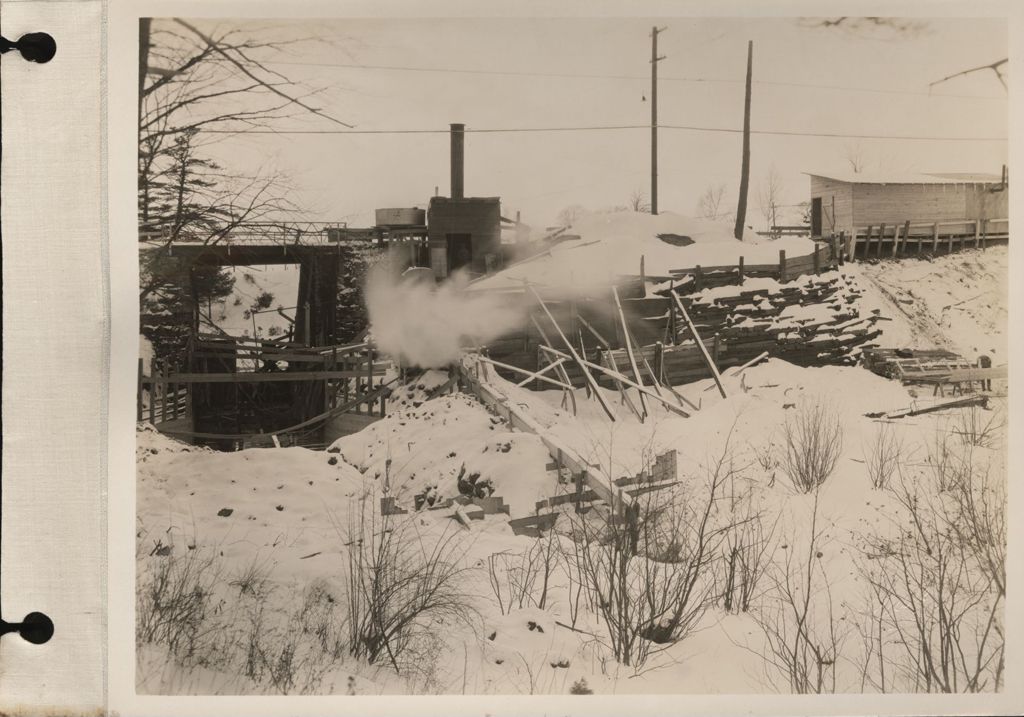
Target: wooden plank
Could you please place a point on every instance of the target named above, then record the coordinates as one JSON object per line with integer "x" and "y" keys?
{"x": 138, "y": 394}
{"x": 881, "y": 235}
{"x": 518, "y": 418}
{"x": 590, "y": 379}
{"x": 258, "y": 377}
{"x": 696, "y": 337}
{"x": 629, "y": 350}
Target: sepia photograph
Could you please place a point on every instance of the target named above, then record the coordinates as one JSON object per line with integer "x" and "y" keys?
{"x": 641, "y": 355}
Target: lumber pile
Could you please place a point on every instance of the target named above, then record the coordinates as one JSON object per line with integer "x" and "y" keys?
{"x": 914, "y": 364}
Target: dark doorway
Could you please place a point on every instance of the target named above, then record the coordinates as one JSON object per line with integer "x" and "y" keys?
{"x": 460, "y": 251}
{"x": 816, "y": 217}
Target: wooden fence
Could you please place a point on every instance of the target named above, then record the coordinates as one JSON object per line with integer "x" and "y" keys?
{"x": 349, "y": 374}
{"x": 883, "y": 240}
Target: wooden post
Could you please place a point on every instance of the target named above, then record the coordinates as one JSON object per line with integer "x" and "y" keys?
{"x": 984, "y": 233}
{"x": 782, "y": 266}
{"x": 152, "y": 392}
{"x": 817, "y": 259}
{"x": 163, "y": 392}
{"x": 881, "y": 235}
{"x": 659, "y": 361}
{"x": 867, "y": 242}
{"x": 369, "y": 375}
{"x": 977, "y": 233}
{"x": 895, "y": 239}
{"x": 700, "y": 344}
{"x": 715, "y": 349}
{"x": 935, "y": 238}
{"x": 741, "y": 269}
{"x": 629, "y": 350}
{"x": 579, "y": 360}
{"x": 840, "y": 250}
{"x": 698, "y": 278}
{"x": 906, "y": 234}
{"x": 643, "y": 279}
{"x": 672, "y": 315}
{"x": 950, "y": 243}
{"x": 138, "y": 394}
{"x": 174, "y": 394}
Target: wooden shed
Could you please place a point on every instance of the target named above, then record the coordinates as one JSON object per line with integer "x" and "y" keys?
{"x": 842, "y": 203}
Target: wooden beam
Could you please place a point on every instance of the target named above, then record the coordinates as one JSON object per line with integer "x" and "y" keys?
{"x": 562, "y": 373}
{"x": 568, "y": 344}
{"x": 700, "y": 344}
{"x": 629, "y": 382}
{"x": 629, "y": 348}
{"x": 256, "y": 377}
{"x": 530, "y": 375}
{"x": 559, "y": 451}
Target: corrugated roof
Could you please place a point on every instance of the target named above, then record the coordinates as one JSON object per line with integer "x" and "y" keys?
{"x": 909, "y": 177}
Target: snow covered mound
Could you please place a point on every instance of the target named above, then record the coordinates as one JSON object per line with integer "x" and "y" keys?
{"x": 438, "y": 448}
{"x": 612, "y": 243}
{"x": 957, "y": 301}
{"x": 248, "y": 503}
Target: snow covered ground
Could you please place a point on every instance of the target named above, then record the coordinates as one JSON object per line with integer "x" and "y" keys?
{"x": 612, "y": 243}
{"x": 288, "y": 515}
{"x": 246, "y": 559}
{"x": 956, "y": 301}
{"x": 232, "y": 314}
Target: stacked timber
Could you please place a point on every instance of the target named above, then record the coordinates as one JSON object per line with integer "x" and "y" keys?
{"x": 812, "y": 321}
{"x": 914, "y": 364}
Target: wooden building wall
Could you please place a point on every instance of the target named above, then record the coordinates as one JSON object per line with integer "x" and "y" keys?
{"x": 860, "y": 205}
{"x": 836, "y": 204}
{"x": 480, "y": 217}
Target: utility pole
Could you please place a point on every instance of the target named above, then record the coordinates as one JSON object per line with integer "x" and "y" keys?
{"x": 741, "y": 210}
{"x": 654, "y": 116}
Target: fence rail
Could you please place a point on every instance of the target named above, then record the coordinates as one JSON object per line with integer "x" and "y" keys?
{"x": 880, "y": 240}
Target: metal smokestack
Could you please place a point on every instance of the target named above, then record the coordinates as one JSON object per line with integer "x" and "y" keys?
{"x": 458, "y": 158}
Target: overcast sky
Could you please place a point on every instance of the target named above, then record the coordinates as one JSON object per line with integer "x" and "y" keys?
{"x": 570, "y": 73}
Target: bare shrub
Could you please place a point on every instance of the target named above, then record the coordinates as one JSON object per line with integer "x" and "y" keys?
{"x": 177, "y": 607}
{"x": 746, "y": 557}
{"x": 295, "y": 656}
{"x": 940, "y": 583}
{"x": 803, "y": 635}
{"x": 399, "y": 583}
{"x": 883, "y": 455}
{"x": 522, "y": 579}
{"x": 979, "y": 427}
{"x": 813, "y": 442}
{"x": 648, "y": 566}
{"x": 252, "y": 579}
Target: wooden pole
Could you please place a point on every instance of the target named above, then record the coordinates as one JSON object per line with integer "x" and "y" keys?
{"x": 562, "y": 373}
{"x": 138, "y": 394}
{"x": 977, "y": 233}
{"x": 935, "y": 238}
{"x": 741, "y": 208}
{"x": 654, "y": 117}
{"x": 881, "y": 235}
{"x": 741, "y": 269}
{"x": 700, "y": 344}
{"x": 629, "y": 348}
{"x": 782, "y": 267}
{"x": 906, "y": 234}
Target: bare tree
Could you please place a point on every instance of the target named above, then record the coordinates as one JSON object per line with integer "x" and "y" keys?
{"x": 709, "y": 205}
{"x": 769, "y": 197}
{"x": 994, "y": 66}
{"x": 804, "y": 636}
{"x": 638, "y": 202}
{"x": 650, "y": 572}
{"x": 568, "y": 216}
{"x": 854, "y": 155}
{"x": 939, "y": 584}
{"x": 813, "y": 442}
{"x": 197, "y": 85}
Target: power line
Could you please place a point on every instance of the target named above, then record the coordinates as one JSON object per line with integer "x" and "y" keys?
{"x": 589, "y": 76}
{"x": 601, "y": 128}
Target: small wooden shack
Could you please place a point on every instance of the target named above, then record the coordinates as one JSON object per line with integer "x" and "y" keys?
{"x": 844, "y": 202}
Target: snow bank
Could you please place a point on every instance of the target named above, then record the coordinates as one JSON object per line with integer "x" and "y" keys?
{"x": 612, "y": 243}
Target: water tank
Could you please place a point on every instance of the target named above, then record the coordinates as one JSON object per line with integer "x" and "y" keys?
{"x": 401, "y": 217}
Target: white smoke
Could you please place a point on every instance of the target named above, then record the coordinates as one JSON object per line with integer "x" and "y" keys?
{"x": 427, "y": 325}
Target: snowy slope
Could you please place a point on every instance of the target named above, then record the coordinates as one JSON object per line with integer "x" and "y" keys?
{"x": 612, "y": 243}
